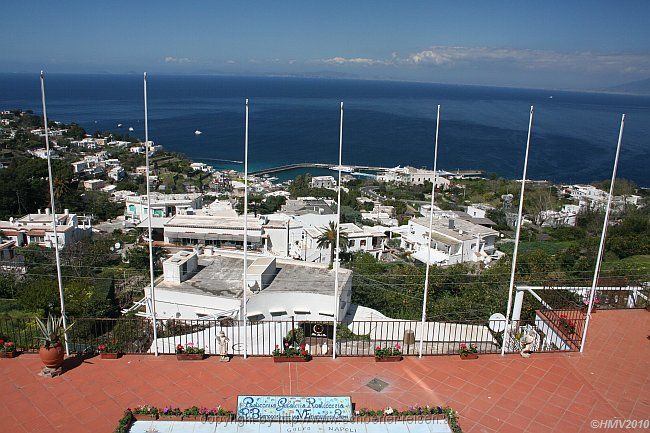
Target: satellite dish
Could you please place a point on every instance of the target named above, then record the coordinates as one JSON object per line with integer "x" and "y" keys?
{"x": 117, "y": 245}
{"x": 497, "y": 322}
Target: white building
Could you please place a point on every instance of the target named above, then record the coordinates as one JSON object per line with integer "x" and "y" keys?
{"x": 211, "y": 287}
{"x": 162, "y": 205}
{"x": 116, "y": 173}
{"x": 414, "y": 176}
{"x": 93, "y": 184}
{"x": 201, "y": 166}
{"x": 214, "y": 231}
{"x": 451, "y": 240}
{"x": 323, "y": 182}
{"x": 360, "y": 239}
{"x": 565, "y": 217}
{"x": 37, "y": 229}
{"x": 42, "y": 153}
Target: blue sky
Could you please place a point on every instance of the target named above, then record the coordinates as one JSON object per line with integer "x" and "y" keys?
{"x": 552, "y": 44}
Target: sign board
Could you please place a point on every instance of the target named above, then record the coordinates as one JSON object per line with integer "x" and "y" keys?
{"x": 293, "y": 408}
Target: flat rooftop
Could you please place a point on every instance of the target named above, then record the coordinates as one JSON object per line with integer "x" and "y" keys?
{"x": 553, "y": 392}
{"x": 222, "y": 276}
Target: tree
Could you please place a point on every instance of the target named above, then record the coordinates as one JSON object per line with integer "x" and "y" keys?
{"x": 327, "y": 239}
{"x": 537, "y": 202}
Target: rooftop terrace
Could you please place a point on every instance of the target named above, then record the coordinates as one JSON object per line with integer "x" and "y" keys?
{"x": 554, "y": 392}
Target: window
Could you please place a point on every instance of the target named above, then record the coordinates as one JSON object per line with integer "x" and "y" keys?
{"x": 353, "y": 242}
{"x": 362, "y": 243}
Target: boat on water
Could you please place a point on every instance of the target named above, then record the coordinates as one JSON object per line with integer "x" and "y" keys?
{"x": 119, "y": 125}
{"x": 131, "y": 128}
{"x": 344, "y": 168}
{"x": 197, "y": 132}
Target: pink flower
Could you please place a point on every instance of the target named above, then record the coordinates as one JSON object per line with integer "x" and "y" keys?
{"x": 397, "y": 346}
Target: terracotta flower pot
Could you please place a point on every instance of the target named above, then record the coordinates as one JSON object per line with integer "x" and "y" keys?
{"x": 107, "y": 355}
{"x": 190, "y": 356}
{"x": 392, "y": 358}
{"x": 469, "y": 356}
{"x": 52, "y": 357}
{"x": 9, "y": 354}
{"x": 290, "y": 359}
{"x": 193, "y": 417}
{"x": 170, "y": 417}
{"x": 144, "y": 417}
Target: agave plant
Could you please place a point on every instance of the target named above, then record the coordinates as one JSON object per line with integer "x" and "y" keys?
{"x": 51, "y": 330}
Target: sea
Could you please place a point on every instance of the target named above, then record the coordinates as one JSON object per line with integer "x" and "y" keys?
{"x": 386, "y": 123}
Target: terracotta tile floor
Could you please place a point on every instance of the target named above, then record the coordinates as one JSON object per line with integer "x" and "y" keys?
{"x": 546, "y": 393}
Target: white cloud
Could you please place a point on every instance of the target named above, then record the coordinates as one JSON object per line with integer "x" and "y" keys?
{"x": 352, "y": 61}
{"x": 171, "y": 59}
{"x": 446, "y": 56}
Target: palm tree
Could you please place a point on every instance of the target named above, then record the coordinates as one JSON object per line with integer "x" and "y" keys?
{"x": 327, "y": 239}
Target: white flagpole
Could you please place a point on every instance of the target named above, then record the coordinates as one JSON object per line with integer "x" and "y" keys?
{"x": 517, "y": 234}
{"x": 246, "y": 232}
{"x": 433, "y": 194}
{"x": 601, "y": 248}
{"x": 338, "y": 238}
{"x": 152, "y": 295}
{"x": 54, "y": 222}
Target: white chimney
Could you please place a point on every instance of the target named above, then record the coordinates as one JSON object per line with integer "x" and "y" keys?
{"x": 66, "y": 211}
{"x": 47, "y": 211}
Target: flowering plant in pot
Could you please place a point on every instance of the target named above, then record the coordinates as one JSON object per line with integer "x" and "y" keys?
{"x": 388, "y": 354}
{"x": 169, "y": 413}
{"x": 51, "y": 351}
{"x": 189, "y": 352}
{"x": 194, "y": 413}
{"x": 468, "y": 351}
{"x": 567, "y": 325}
{"x": 110, "y": 350}
{"x": 145, "y": 412}
{"x": 219, "y": 414}
{"x": 290, "y": 353}
{"x": 595, "y": 306}
{"x": 7, "y": 349}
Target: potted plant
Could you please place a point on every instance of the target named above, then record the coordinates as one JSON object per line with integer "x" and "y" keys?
{"x": 388, "y": 354}
{"x": 110, "y": 350}
{"x": 219, "y": 414}
{"x": 468, "y": 351}
{"x": 291, "y": 353}
{"x": 145, "y": 413}
{"x": 567, "y": 325}
{"x": 7, "y": 349}
{"x": 51, "y": 351}
{"x": 595, "y": 306}
{"x": 189, "y": 352}
{"x": 194, "y": 414}
{"x": 169, "y": 413}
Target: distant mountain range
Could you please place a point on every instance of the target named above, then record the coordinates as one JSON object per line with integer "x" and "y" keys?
{"x": 641, "y": 87}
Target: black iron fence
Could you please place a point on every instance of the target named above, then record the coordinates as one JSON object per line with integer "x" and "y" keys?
{"x": 553, "y": 330}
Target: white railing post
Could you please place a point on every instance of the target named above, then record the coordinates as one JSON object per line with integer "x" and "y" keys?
{"x": 245, "y": 309}
{"x": 147, "y": 148}
{"x": 603, "y": 235}
{"x": 59, "y": 278}
{"x": 517, "y": 234}
{"x": 433, "y": 195}
{"x": 338, "y": 239}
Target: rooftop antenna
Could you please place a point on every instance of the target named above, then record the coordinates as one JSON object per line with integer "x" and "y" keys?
{"x": 433, "y": 195}
{"x": 246, "y": 231}
{"x": 517, "y": 234}
{"x": 601, "y": 248}
{"x": 152, "y": 295}
{"x": 54, "y": 222}
{"x": 338, "y": 237}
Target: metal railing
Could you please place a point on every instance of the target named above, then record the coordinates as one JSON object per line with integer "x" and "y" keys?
{"x": 555, "y": 330}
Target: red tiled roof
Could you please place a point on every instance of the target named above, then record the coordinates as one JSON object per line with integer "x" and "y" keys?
{"x": 546, "y": 393}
